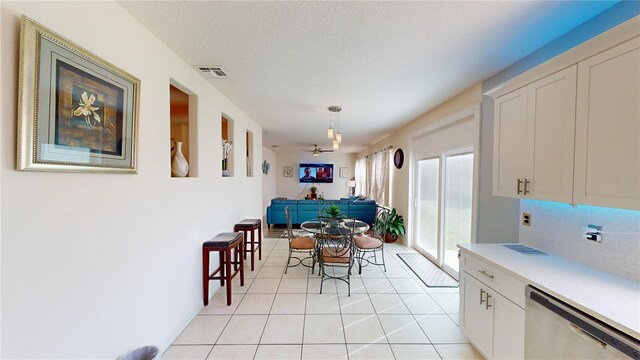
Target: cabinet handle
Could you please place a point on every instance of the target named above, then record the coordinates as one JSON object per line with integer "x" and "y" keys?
{"x": 526, "y": 183}
{"x": 518, "y": 191}
{"x": 481, "y": 296}
{"x": 488, "y": 305}
{"x": 485, "y": 274}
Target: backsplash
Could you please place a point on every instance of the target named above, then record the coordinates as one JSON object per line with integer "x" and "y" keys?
{"x": 556, "y": 228}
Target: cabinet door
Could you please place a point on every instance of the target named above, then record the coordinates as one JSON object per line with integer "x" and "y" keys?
{"x": 507, "y": 328}
{"x": 550, "y": 136}
{"x": 607, "y": 165}
{"x": 509, "y": 147}
{"x": 474, "y": 313}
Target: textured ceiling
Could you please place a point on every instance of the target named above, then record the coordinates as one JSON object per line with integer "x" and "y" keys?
{"x": 385, "y": 63}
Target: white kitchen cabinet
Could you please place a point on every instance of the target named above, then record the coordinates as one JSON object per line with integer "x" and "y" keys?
{"x": 493, "y": 323}
{"x": 509, "y": 149}
{"x": 475, "y": 318}
{"x": 534, "y": 139}
{"x": 507, "y": 328}
{"x": 607, "y": 159}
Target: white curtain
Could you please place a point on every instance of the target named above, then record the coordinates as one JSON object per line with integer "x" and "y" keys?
{"x": 361, "y": 177}
{"x": 377, "y": 175}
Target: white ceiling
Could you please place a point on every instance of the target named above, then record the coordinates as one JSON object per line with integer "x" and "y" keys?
{"x": 385, "y": 63}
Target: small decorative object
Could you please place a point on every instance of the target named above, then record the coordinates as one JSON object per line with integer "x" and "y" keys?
{"x": 344, "y": 172}
{"x": 179, "y": 164}
{"x": 288, "y": 171}
{"x": 226, "y": 147}
{"x": 265, "y": 167}
{"x": 395, "y": 226}
{"x": 313, "y": 190}
{"x": 398, "y": 159}
{"x": 76, "y": 111}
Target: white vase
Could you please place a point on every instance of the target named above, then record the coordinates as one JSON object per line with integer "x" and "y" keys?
{"x": 179, "y": 164}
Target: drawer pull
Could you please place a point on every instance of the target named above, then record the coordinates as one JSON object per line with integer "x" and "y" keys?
{"x": 485, "y": 274}
{"x": 481, "y": 296}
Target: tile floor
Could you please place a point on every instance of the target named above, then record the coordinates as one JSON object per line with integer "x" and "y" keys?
{"x": 389, "y": 315}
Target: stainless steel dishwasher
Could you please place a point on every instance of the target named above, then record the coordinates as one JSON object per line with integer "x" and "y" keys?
{"x": 555, "y": 330}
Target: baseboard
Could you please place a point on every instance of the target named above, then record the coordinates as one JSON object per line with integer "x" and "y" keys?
{"x": 186, "y": 320}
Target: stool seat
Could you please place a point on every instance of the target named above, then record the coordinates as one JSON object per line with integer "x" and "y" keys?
{"x": 223, "y": 240}
{"x": 248, "y": 224}
{"x": 253, "y": 246}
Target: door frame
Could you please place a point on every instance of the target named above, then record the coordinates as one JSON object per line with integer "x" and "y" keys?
{"x": 472, "y": 112}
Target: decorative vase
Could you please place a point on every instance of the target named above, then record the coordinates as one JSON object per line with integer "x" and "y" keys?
{"x": 225, "y": 171}
{"x": 179, "y": 164}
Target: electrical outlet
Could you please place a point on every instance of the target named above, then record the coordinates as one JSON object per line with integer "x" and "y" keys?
{"x": 592, "y": 232}
{"x": 526, "y": 219}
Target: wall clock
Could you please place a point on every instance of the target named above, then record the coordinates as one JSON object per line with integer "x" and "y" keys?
{"x": 398, "y": 159}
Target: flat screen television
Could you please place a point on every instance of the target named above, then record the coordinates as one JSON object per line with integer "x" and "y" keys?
{"x": 316, "y": 173}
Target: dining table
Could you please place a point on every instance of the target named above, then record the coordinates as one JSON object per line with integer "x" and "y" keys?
{"x": 334, "y": 226}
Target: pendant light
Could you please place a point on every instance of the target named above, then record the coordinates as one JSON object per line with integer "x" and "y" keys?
{"x": 337, "y": 140}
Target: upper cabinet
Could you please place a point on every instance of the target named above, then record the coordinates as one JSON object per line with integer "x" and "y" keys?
{"x": 608, "y": 128}
{"x": 573, "y": 136}
{"x": 534, "y": 139}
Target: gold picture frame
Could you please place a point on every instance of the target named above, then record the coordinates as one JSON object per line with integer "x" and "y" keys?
{"x": 288, "y": 171}
{"x": 76, "y": 111}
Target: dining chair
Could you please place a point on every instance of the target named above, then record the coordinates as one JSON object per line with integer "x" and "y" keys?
{"x": 335, "y": 250}
{"x": 299, "y": 245}
{"x": 367, "y": 246}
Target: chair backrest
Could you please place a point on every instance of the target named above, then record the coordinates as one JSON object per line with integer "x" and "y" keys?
{"x": 336, "y": 235}
{"x": 287, "y": 215}
{"x": 380, "y": 224}
{"x": 321, "y": 208}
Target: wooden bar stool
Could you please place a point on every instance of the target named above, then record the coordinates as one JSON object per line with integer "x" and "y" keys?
{"x": 251, "y": 225}
{"x": 223, "y": 243}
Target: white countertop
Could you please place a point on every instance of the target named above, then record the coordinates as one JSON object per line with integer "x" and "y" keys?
{"x": 607, "y": 297}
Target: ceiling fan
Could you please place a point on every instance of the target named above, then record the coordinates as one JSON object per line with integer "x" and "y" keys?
{"x": 316, "y": 150}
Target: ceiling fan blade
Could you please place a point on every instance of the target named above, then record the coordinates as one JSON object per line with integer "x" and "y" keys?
{"x": 322, "y": 150}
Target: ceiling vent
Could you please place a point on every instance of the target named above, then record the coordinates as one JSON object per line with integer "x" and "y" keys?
{"x": 212, "y": 72}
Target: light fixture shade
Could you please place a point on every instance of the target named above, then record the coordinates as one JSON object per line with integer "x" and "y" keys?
{"x": 339, "y": 137}
{"x": 336, "y": 145}
{"x": 351, "y": 183}
{"x": 330, "y": 133}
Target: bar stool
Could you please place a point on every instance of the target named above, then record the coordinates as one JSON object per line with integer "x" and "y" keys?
{"x": 251, "y": 225}
{"x": 223, "y": 243}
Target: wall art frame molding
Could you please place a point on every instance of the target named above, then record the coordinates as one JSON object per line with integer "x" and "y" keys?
{"x": 76, "y": 111}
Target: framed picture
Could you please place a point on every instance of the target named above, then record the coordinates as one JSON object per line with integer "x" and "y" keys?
{"x": 288, "y": 171}
{"x": 76, "y": 112}
{"x": 344, "y": 172}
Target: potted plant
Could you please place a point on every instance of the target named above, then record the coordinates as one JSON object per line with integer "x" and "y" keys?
{"x": 333, "y": 210}
{"x": 313, "y": 192}
{"x": 395, "y": 226}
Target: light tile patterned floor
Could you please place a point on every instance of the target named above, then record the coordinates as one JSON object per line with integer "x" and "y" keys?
{"x": 389, "y": 315}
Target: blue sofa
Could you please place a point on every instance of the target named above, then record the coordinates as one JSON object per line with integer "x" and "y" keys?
{"x": 303, "y": 210}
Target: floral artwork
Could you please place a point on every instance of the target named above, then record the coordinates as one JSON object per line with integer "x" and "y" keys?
{"x": 77, "y": 112}
{"x": 87, "y": 110}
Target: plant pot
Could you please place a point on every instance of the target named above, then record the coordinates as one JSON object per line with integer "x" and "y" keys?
{"x": 313, "y": 196}
{"x": 390, "y": 239}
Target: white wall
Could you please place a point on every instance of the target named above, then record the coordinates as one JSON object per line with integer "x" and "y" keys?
{"x": 94, "y": 265}
{"x": 291, "y": 188}
{"x": 556, "y": 228}
{"x": 269, "y": 187}
{"x": 400, "y": 179}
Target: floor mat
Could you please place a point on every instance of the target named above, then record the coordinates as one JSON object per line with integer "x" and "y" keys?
{"x": 428, "y": 272}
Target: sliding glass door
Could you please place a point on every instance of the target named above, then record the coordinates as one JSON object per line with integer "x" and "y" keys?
{"x": 443, "y": 204}
{"x": 427, "y": 207}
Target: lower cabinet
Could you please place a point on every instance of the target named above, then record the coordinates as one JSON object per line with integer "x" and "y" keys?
{"x": 493, "y": 323}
